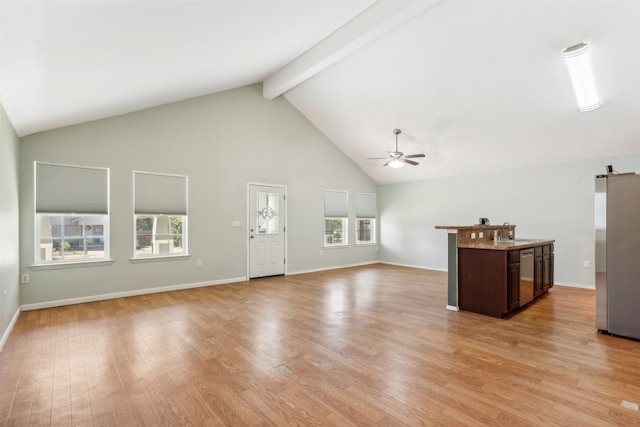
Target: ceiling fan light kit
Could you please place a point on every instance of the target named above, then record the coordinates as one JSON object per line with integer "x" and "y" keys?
{"x": 397, "y": 159}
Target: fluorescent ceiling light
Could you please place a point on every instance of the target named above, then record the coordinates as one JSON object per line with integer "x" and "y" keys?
{"x": 579, "y": 65}
{"x": 395, "y": 163}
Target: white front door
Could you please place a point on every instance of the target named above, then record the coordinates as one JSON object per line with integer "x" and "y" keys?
{"x": 266, "y": 231}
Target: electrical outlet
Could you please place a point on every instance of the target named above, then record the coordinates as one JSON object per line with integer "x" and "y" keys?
{"x": 199, "y": 263}
{"x": 587, "y": 264}
{"x": 320, "y": 251}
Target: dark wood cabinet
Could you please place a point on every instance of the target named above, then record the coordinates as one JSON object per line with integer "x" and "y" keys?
{"x": 489, "y": 279}
{"x": 513, "y": 286}
{"x": 543, "y": 269}
{"x": 547, "y": 267}
{"x": 482, "y": 281}
{"x": 537, "y": 276}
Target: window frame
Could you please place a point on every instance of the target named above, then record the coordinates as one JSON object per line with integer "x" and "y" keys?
{"x": 153, "y": 237}
{"x": 84, "y": 237}
{"x": 171, "y": 208}
{"x": 345, "y": 233}
{"x": 366, "y": 210}
{"x": 373, "y": 240}
{"x": 99, "y": 200}
{"x": 336, "y": 207}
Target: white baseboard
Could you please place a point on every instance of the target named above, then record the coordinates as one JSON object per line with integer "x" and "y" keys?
{"x": 335, "y": 267}
{"x": 93, "y": 298}
{"x": 452, "y": 308}
{"x": 6, "y": 334}
{"x": 574, "y": 285}
{"x": 414, "y": 266}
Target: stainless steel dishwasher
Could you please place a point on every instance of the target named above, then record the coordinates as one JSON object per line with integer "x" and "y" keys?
{"x": 526, "y": 276}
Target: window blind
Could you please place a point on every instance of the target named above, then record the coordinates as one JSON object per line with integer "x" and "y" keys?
{"x": 159, "y": 194}
{"x": 66, "y": 189}
{"x": 336, "y": 204}
{"x": 365, "y": 205}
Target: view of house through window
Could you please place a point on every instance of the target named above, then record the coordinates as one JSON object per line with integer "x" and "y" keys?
{"x": 159, "y": 235}
{"x": 335, "y": 231}
{"x": 71, "y": 237}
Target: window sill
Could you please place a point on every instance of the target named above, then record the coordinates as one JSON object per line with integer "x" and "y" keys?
{"x": 366, "y": 244}
{"x": 159, "y": 258}
{"x": 77, "y": 264}
{"x": 335, "y": 247}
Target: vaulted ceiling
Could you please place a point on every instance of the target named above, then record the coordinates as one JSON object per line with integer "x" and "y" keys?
{"x": 474, "y": 85}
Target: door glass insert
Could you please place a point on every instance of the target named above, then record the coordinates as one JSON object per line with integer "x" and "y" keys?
{"x": 267, "y": 213}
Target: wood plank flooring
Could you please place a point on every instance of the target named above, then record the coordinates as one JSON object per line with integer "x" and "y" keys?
{"x": 365, "y": 346}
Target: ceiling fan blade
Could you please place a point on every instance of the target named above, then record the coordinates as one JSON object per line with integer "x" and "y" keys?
{"x": 411, "y": 162}
{"x": 413, "y": 156}
{"x": 387, "y": 163}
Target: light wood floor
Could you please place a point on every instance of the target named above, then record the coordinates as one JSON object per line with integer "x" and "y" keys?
{"x": 370, "y": 345}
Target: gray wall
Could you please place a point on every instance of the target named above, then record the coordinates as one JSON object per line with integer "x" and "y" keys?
{"x": 553, "y": 201}
{"x": 9, "y": 238}
{"x": 221, "y": 142}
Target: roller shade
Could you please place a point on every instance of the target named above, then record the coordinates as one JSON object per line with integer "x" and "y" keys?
{"x": 336, "y": 204}
{"x": 71, "y": 189}
{"x": 365, "y": 205}
{"x": 159, "y": 194}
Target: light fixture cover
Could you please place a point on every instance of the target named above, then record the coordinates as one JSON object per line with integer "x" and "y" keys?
{"x": 578, "y": 62}
{"x": 395, "y": 163}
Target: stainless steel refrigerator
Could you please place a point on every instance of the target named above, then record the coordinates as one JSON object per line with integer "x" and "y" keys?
{"x": 617, "y": 262}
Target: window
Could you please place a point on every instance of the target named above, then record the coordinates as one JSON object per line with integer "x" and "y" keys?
{"x": 365, "y": 218}
{"x": 72, "y": 213}
{"x": 335, "y": 218}
{"x": 160, "y": 214}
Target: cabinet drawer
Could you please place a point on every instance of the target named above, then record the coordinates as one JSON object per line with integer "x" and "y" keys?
{"x": 513, "y": 256}
{"x": 546, "y": 249}
{"x": 537, "y": 251}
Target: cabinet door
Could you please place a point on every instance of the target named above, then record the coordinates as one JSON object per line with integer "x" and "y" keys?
{"x": 537, "y": 276}
{"x": 546, "y": 272}
{"x": 513, "y": 286}
{"x": 551, "y": 265}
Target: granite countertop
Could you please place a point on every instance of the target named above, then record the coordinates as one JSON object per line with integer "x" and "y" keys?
{"x": 470, "y": 227}
{"x": 506, "y": 245}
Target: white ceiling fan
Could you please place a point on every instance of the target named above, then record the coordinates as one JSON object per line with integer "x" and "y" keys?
{"x": 397, "y": 159}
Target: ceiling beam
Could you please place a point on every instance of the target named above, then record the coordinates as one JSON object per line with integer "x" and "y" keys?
{"x": 380, "y": 18}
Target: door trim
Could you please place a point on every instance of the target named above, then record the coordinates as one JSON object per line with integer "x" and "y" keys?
{"x": 247, "y": 220}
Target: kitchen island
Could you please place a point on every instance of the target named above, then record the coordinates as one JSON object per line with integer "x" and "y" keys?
{"x": 495, "y": 273}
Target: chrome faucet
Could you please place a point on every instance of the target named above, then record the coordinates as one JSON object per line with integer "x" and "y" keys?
{"x": 508, "y": 235}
